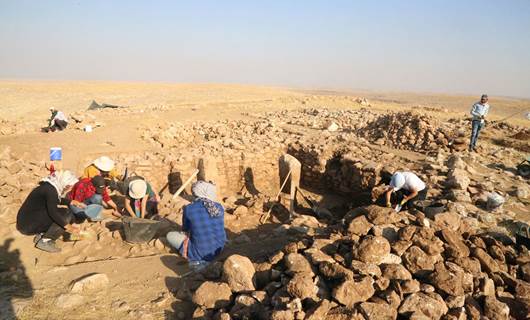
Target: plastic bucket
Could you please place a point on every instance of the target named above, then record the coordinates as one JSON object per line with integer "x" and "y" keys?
{"x": 88, "y": 128}
{"x": 139, "y": 230}
{"x": 56, "y": 154}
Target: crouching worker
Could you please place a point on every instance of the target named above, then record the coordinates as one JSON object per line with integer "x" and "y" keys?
{"x": 58, "y": 121}
{"x": 408, "y": 188}
{"x": 203, "y": 236}
{"x": 45, "y": 214}
{"x": 140, "y": 200}
{"x": 88, "y": 198}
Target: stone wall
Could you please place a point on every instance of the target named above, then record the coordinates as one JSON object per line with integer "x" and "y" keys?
{"x": 232, "y": 171}
{"x": 341, "y": 169}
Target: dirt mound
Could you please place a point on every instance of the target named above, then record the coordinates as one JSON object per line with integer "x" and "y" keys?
{"x": 408, "y": 131}
{"x": 9, "y": 127}
{"x": 505, "y": 126}
{"x": 403, "y": 266}
{"x": 523, "y": 146}
{"x": 522, "y": 135}
{"x": 19, "y": 176}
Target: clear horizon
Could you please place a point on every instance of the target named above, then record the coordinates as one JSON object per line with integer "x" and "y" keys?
{"x": 452, "y": 47}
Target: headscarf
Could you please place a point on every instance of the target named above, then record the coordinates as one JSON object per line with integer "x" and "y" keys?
{"x": 60, "y": 180}
{"x": 205, "y": 192}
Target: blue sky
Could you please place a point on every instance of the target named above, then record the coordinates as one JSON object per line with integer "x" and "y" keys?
{"x": 435, "y": 46}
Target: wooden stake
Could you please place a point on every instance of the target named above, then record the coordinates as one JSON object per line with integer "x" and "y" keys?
{"x": 179, "y": 191}
{"x": 265, "y": 216}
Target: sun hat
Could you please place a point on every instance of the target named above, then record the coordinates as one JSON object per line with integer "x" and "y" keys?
{"x": 397, "y": 181}
{"x": 137, "y": 189}
{"x": 104, "y": 163}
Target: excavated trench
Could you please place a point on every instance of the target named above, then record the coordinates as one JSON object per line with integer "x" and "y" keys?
{"x": 335, "y": 178}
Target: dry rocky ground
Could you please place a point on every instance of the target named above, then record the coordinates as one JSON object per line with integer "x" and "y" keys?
{"x": 344, "y": 259}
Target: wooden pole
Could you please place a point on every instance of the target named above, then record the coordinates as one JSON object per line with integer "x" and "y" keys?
{"x": 265, "y": 216}
{"x": 179, "y": 191}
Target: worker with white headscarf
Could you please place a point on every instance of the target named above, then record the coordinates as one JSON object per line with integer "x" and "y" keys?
{"x": 408, "y": 188}
{"x": 44, "y": 213}
{"x": 203, "y": 236}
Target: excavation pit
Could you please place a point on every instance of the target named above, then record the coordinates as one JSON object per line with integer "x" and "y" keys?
{"x": 332, "y": 179}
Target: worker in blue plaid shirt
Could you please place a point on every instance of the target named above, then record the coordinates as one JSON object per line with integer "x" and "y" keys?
{"x": 203, "y": 235}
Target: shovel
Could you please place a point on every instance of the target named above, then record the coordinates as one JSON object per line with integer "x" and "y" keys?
{"x": 309, "y": 201}
{"x": 183, "y": 186}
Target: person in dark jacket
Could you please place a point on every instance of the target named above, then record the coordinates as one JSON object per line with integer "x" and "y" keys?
{"x": 203, "y": 236}
{"x": 45, "y": 213}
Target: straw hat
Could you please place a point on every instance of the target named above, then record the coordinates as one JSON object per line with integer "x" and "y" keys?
{"x": 104, "y": 163}
{"x": 137, "y": 189}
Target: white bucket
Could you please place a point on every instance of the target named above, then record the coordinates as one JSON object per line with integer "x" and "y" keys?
{"x": 88, "y": 128}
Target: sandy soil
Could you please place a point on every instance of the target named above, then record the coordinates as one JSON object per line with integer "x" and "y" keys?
{"x": 141, "y": 283}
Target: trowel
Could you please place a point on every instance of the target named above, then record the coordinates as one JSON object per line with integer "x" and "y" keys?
{"x": 398, "y": 207}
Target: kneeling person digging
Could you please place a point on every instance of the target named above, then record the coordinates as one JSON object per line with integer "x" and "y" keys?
{"x": 89, "y": 196}
{"x": 141, "y": 200}
{"x": 408, "y": 188}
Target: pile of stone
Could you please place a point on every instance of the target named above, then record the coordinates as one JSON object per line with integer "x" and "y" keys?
{"x": 462, "y": 186}
{"x": 80, "y": 120}
{"x": 522, "y": 135}
{"x": 376, "y": 264}
{"x": 343, "y": 167}
{"x": 408, "y": 131}
{"x": 507, "y": 127}
{"x": 8, "y": 127}
{"x": 322, "y": 118}
{"x": 363, "y": 102}
{"x": 19, "y": 176}
{"x": 352, "y": 173}
{"x": 214, "y": 137}
{"x": 432, "y": 108}
{"x": 404, "y": 130}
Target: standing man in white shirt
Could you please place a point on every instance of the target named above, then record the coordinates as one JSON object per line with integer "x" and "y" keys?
{"x": 478, "y": 112}
{"x": 58, "y": 121}
{"x": 408, "y": 187}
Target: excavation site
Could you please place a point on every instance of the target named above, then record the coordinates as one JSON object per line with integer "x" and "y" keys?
{"x": 302, "y": 179}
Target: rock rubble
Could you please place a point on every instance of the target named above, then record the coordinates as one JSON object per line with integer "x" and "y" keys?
{"x": 442, "y": 273}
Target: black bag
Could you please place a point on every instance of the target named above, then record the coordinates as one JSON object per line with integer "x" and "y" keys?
{"x": 138, "y": 230}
